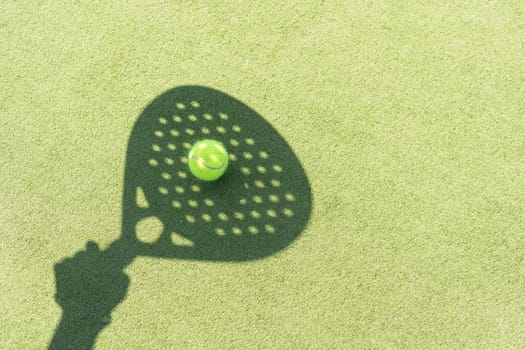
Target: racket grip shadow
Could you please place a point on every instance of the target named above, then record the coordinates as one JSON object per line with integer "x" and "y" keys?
{"x": 89, "y": 286}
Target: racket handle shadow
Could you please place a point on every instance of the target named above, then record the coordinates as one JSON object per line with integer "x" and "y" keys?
{"x": 123, "y": 251}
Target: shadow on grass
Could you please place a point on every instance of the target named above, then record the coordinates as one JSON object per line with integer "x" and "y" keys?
{"x": 256, "y": 209}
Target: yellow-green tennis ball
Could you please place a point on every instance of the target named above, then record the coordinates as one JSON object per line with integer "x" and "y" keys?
{"x": 208, "y": 160}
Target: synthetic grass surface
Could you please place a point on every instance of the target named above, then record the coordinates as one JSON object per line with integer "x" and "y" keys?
{"x": 408, "y": 118}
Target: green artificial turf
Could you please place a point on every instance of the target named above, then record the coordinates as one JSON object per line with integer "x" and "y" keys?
{"x": 407, "y": 117}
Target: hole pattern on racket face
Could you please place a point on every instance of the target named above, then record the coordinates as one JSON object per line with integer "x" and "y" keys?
{"x": 264, "y": 194}
{"x": 259, "y": 174}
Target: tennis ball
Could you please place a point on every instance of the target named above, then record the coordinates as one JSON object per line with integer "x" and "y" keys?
{"x": 208, "y": 160}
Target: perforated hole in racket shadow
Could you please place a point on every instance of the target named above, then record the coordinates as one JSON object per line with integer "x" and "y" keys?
{"x": 258, "y": 208}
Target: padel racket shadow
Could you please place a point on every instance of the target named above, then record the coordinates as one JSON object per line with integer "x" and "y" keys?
{"x": 257, "y": 208}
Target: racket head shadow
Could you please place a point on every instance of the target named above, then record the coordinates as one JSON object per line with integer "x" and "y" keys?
{"x": 257, "y": 208}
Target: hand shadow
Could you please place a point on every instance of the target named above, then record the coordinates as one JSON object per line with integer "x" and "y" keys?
{"x": 88, "y": 286}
